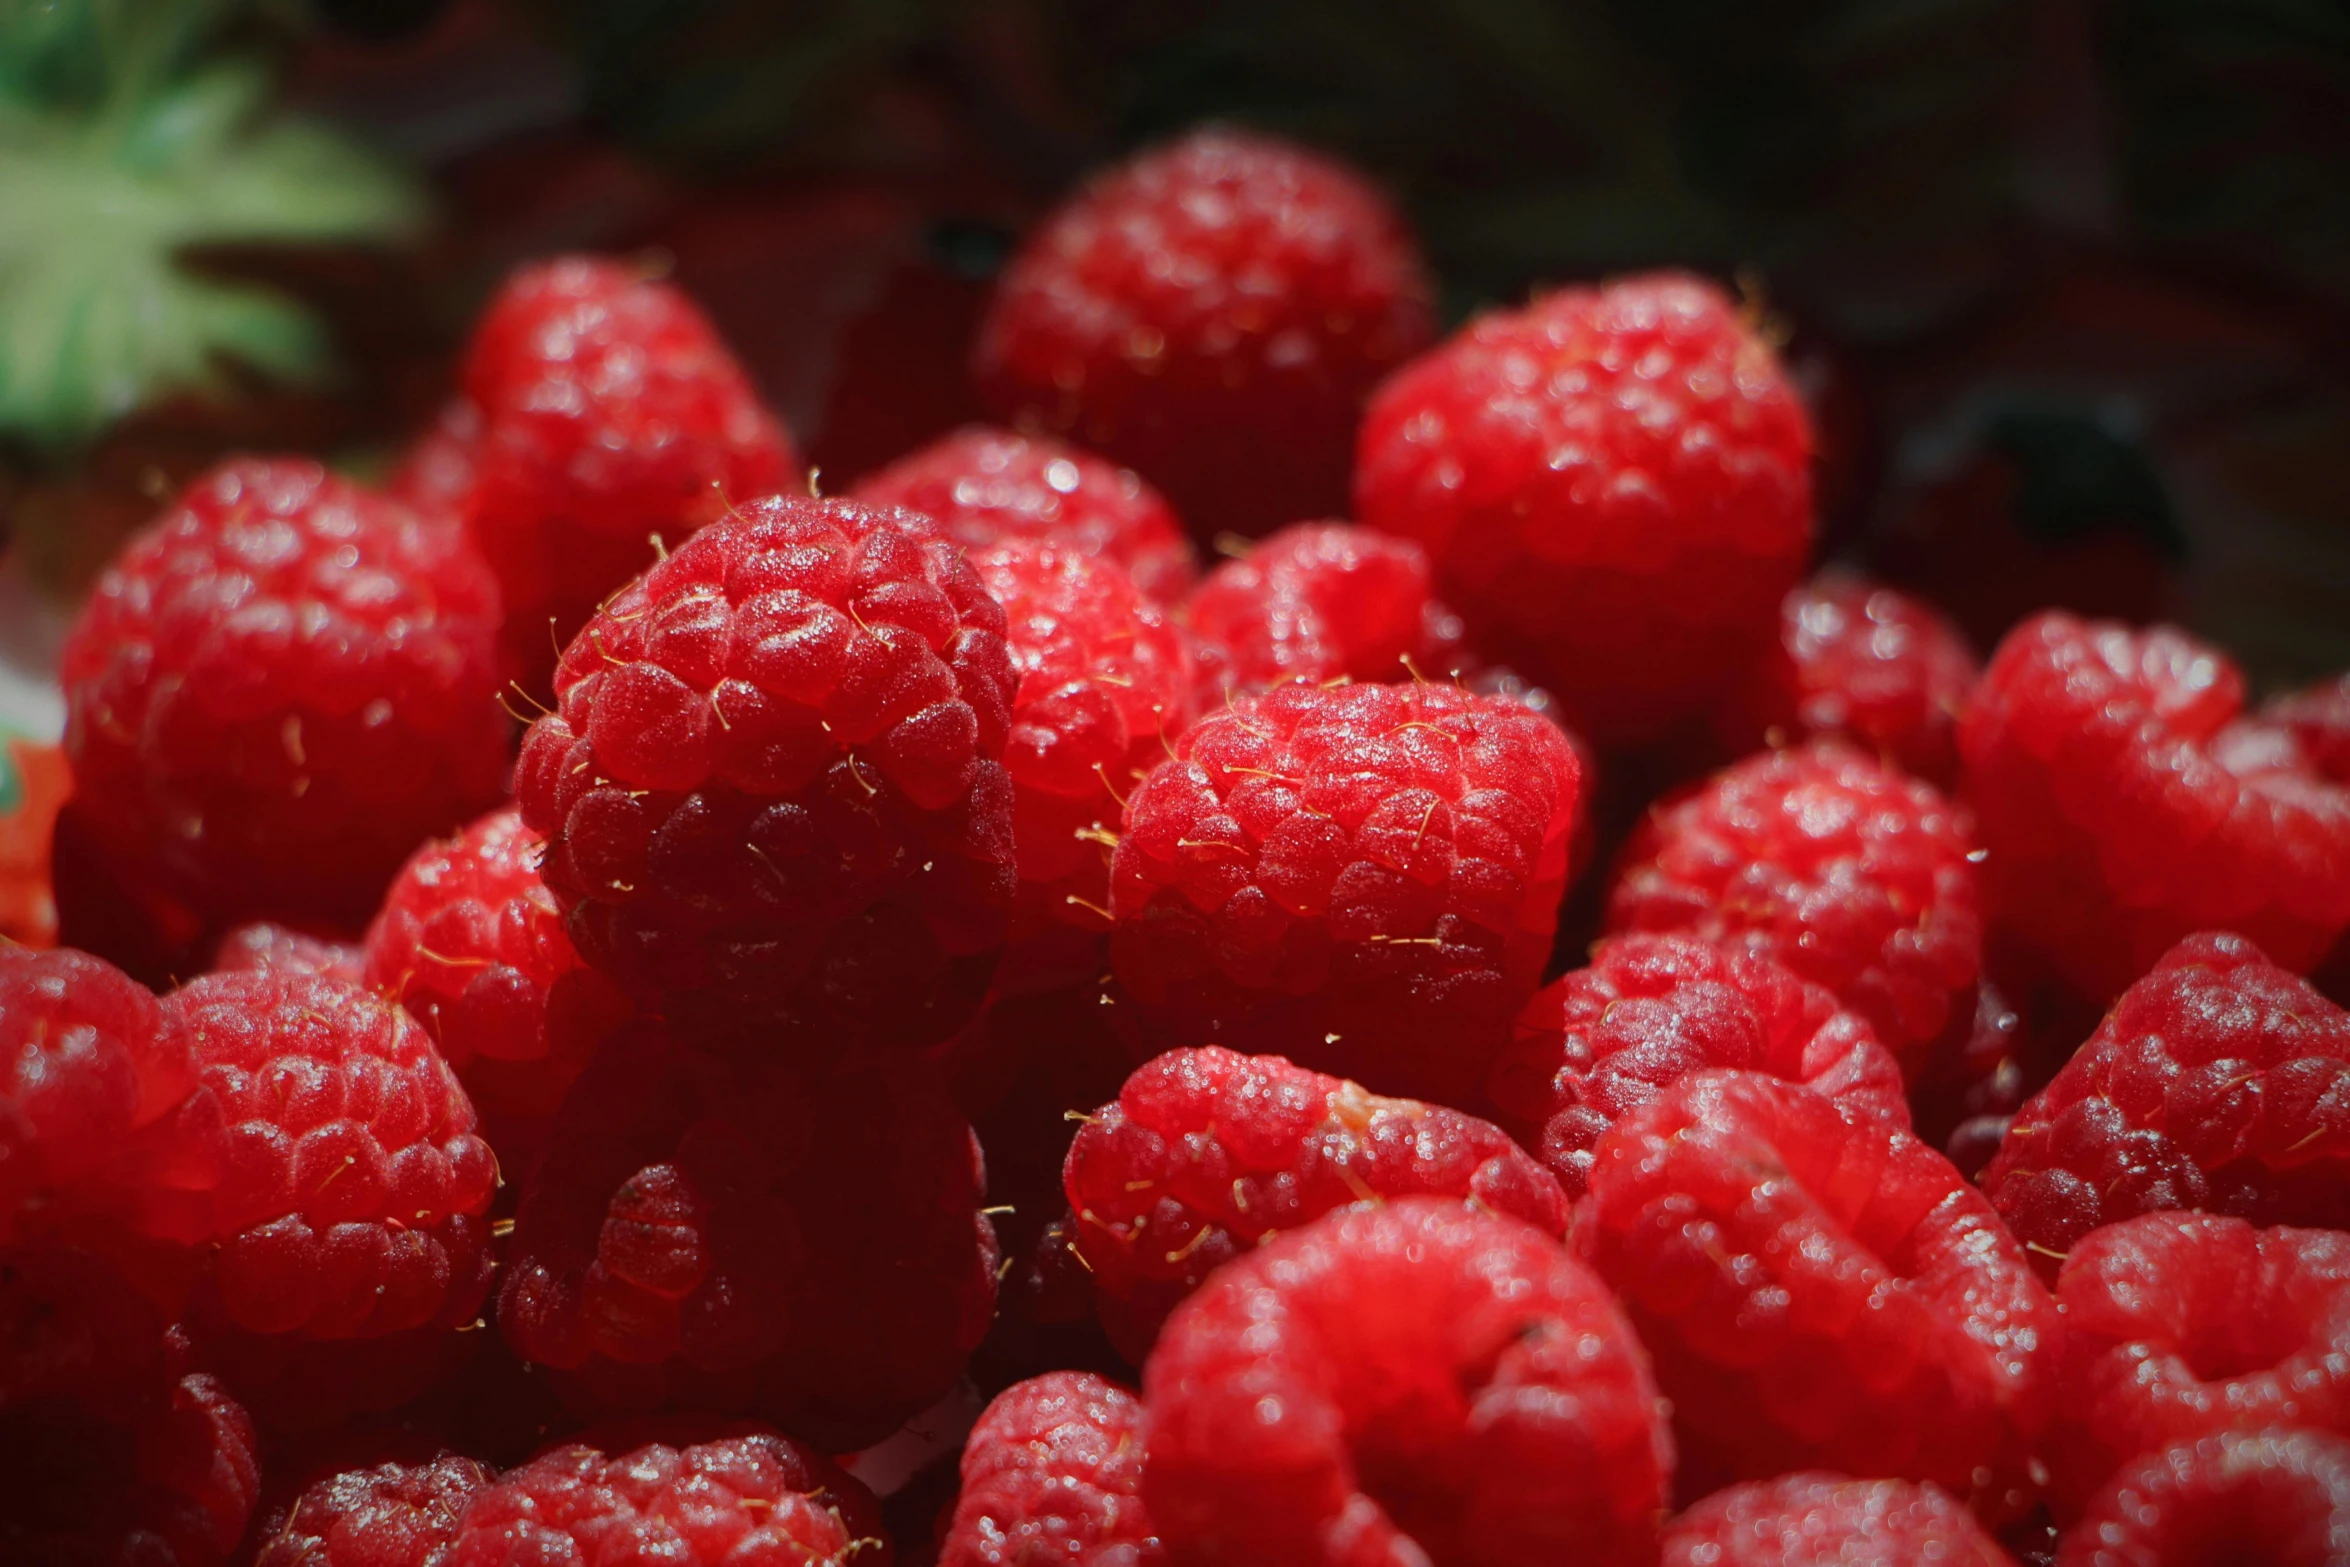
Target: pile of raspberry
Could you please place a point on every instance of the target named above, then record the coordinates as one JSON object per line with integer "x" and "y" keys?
{"x": 618, "y": 1007}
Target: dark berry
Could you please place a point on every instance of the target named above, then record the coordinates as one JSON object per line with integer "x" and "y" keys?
{"x": 386, "y": 1515}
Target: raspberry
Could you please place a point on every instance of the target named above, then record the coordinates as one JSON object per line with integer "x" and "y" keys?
{"x": 1857, "y": 659}
{"x": 2125, "y": 805}
{"x": 599, "y": 409}
{"x": 1614, "y": 484}
{"x": 2180, "y": 1326}
{"x": 1827, "y": 1520}
{"x": 1206, "y": 1154}
{"x": 1363, "y": 878}
{"x": 1648, "y": 1011}
{"x": 2319, "y": 719}
{"x": 755, "y": 1237}
{"x": 744, "y": 1497}
{"x": 1977, "y": 1077}
{"x": 278, "y": 689}
{"x": 772, "y": 791}
{"x": 388, "y": 1515}
{"x": 986, "y": 486}
{"x": 1415, "y": 1381}
{"x": 1848, "y": 872}
{"x": 2218, "y": 1082}
{"x": 1820, "y": 1292}
{"x": 1053, "y": 1472}
{"x": 283, "y": 949}
{"x": 1213, "y": 312}
{"x": 2278, "y": 1497}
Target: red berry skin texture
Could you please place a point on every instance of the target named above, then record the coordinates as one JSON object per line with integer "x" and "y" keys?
{"x": 752, "y": 1237}
{"x": 986, "y": 486}
{"x": 2219, "y": 1082}
{"x": 753, "y": 1499}
{"x": 1648, "y": 1011}
{"x": 278, "y": 689}
{"x": 2180, "y": 1326}
{"x": 1820, "y": 1293}
{"x": 1053, "y": 1473}
{"x": 1828, "y": 1520}
{"x": 1213, "y": 312}
{"x": 2126, "y": 805}
{"x": 2279, "y": 1498}
{"x": 1363, "y": 878}
{"x": 1615, "y": 486}
{"x": 1409, "y": 1381}
{"x": 2319, "y": 718}
{"x": 773, "y": 790}
{"x": 386, "y": 1515}
{"x": 1207, "y": 1153}
{"x": 1847, "y": 871}
{"x": 263, "y": 945}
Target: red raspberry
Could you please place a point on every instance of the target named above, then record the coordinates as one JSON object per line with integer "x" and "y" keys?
{"x": 599, "y": 409}
{"x": 387, "y": 1515}
{"x": 1856, "y": 658}
{"x": 772, "y": 792}
{"x": 1647, "y": 1012}
{"x": 1848, "y": 872}
{"x": 986, "y": 486}
{"x": 1207, "y": 1154}
{"x": 1977, "y": 1077}
{"x": 266, "y": 946}
{"x": 1053, "y": 1473}
{"x": 2319, "y": 719}
{"x": 2180, "y": 1326}
{"x": 278, "y": 689}
{"x": 756, "y": 1237}
{"x": 1615, "y": 486}
{"x": 1416, "y": 1381}
{"x": 1363, "y": 878}
{"x": 752, "y": 1498}
{"x": 2279, "y": 1498}
{"x": 2218, "y": 1082}
{"x": 1827, "y": 1520}
{"x": 1820, "y": 1292}
{"x": 1213, "y": 312}
{"x": 2125, "y": 806}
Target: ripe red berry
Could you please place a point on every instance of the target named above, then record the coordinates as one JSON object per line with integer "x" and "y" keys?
{"x": 985, "y": 486}
{"x": 2319, "y": 718}
{"x": 1848, "y": 872}
{"x": 1820, "y": 1292}
{"x": 1828, "y": 1520}
{"x": 1213, "y": 312}
{"x": 278, "y": 689}
{"x": 1206, "y": 1154}
{"x": 772, "y": 790}
{"x": 385, "y": 1515}
{"x": 1363, "y": 878}
{"x": 2279, "y": 1497}
{"x": 264, "y": 945}
{"x": 1415, "y": 1381}
{"x": 1615, "y": 487}
{"x": 2126, "y": 804}
{"x": 1650, "y": 1010}
{"x": 1053, "y": 1472}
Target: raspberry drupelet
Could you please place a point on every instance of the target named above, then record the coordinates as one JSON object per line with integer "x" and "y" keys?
{"x": 1649, "y": 1010}
{"x": 2279, "y": 1497}
{"x": 2319, "y": 719}
{"x": 1206, "y": 1154}
{"x": 597, "y": 408}
{"x": 281, "y": 948}
{"x": 1847, "y": 871}
{"x": 773, "y": 790}
{"x": 278, "y": 689}
{"x": 384, "y": 1515}
{"x": 1828, "y": 1520}
{"x": 986, "y": 486}
{"x": 1053, "y": 1472}
{"x": 1415, "y": 1381}
{"x": 1819, "y": 1292}
{"x": 1615, "y": 486}
{"x": 1363, "y": 878}
{"x": 2126, "y": 803}
{"x": 2218, "y": 1082}
{"x": 1213, "y": 312}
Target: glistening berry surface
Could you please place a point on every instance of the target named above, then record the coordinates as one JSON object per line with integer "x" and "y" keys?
{"x": 2279, "y": 1497}
{"x": 1815, "y": 1519}
{"x": 385, "y": 1515}
{"x": 1053, "y": 1472}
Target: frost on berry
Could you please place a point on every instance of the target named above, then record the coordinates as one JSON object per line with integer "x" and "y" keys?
{"x": 1820, "y": 1292}
{"x": 2127, "y": 802}
{"x": 1206, "y": 1154}
{"x": 1053, "y": 1472}
{"x": 384, "y": 1515}
{"x": 773, "y": 790}
{"x": 1363, "y": 878}
{"x": 1614, "y": 485}
{"x": 1648, "y": 1011}
{"x": 1405, "y": 1382}
{"x": 2279, "y": 1497}
{"x": 1828, "y": 1520}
